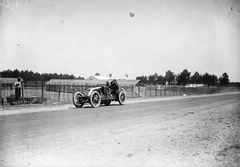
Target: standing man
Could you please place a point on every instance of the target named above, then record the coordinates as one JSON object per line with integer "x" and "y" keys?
{"x": 18, "y": 89}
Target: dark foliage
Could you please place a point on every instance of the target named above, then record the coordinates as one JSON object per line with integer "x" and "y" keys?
{"x": 170, "y": 77}
{"x": 35, "y": 76}
{"x": 153, "y": 79}
{"x": 224, "y": 79}
{"x": 185, "y": 78}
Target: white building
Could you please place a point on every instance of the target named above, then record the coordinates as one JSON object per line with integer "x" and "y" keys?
{"x": 94, "y": 77}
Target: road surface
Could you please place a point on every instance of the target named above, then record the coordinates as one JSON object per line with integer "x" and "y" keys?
{"x": 184, "y": 131}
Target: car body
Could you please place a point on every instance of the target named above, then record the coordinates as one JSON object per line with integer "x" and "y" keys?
{"x": 100, "y": 95}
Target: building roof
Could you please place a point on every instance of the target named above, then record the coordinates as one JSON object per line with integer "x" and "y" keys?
{"x": 121, "y": 82}
{"x": 94, "y": 77}
{"x": 8, "y": 80}
{"x": 134, "y": 82}
{"x": 75, "y": 81}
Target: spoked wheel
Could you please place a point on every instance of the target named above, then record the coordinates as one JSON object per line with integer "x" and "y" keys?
{"x": 107, "y": 103}
{"x": 121, "y": 98}
{"x": 76, "y": 101}
{"x": 95, "y": 99}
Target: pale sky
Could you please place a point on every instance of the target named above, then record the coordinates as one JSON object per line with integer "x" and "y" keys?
{"x": 84, "y": 37}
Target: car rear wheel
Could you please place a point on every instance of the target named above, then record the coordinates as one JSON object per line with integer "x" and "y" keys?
{"x": 95, "y": 99}
{"x": 121, "y": 98}
{"x": 76, "y": 100}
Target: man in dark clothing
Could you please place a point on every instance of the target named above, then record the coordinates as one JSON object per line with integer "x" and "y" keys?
{"x": 18, "y": 89}
{"x": 105, "y": 89}
{"x": 114, "y": 86}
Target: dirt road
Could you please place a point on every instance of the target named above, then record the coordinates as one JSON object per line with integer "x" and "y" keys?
{"x": 193, "y": 131}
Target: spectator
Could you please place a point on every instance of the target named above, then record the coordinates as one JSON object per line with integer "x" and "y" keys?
{"x": 18, "y": 88}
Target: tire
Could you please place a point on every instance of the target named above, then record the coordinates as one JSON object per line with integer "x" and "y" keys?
{"x": 95, "y": 99}
{"x": 76, "y": 101}
{"x": 121, "y": 98}
{"x": 107, "y": 103}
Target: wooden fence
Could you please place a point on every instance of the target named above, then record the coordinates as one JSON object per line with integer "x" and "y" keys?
{"x": 39, "y": 92}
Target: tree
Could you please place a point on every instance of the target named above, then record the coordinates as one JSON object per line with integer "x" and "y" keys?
{"x": 80, "y": 77}
{"x": 224, "y": 79}
{"x": 170, "y": 77}
{"x": 31, "y": 76}
{"x": 206, "y": 78}
{"x": 213, "y": 80}
{"x": 153, "y": 78}
{"x": 196, "y": 78}
{"x": 16, "y": 73}
{"x": 161, "y": 80}
{"x": 184, "y": 77}
{"x": 144, "y": 79}
{"x": 97, "y": 74}
{"x": 210, "y": 80}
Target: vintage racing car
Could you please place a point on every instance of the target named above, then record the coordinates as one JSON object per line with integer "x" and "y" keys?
{"x": 103, "y": 94}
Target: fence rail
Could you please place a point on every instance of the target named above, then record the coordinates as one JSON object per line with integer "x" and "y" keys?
{"x": 38, "y": 91}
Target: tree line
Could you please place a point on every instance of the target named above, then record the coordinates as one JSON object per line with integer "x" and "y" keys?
{"x": 185, "y": 77}
{"x": 35, "y": 76}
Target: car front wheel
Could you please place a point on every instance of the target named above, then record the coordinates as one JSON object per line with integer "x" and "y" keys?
{"x": 95, "y": 99}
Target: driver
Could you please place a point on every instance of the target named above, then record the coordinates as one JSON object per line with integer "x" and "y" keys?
{"x": 107, "y": 84}
{"x": 114, "y": 86}
{"x": 106, "y": 89}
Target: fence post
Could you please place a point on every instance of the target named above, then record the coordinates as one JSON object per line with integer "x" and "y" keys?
{"x": 132, "y": 90}
{"x": 172, "y": 88}
{"x": 73, "y": 90}
{"x": 145, "y": 90}
{"x": 2, "y": 101}
{"x": 64, "y": 92}
{"x": 139, "y": 93}
{"x": 150, "y": 90}
{"x": 42, "y": 89}
{"x": 22, "y": 92}
{"x": 160, "y": 90}
{"x": 59, "y": 91}
{"x": 165, "y": 91}
{"x": 155, "y": 90}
